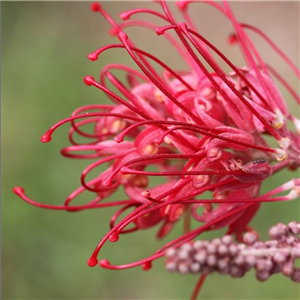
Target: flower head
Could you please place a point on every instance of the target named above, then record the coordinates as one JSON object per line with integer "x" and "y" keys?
{"x": 199, "y": 130}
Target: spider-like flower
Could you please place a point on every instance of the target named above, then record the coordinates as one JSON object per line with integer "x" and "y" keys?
{"x": 201, "y": 130}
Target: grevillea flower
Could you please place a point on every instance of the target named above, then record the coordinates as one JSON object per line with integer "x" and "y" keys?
{"x": 203, "y": 131}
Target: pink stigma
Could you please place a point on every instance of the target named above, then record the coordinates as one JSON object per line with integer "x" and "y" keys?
{"x": 114, "y": 237}
{"x": 92, "y": 56}
{"x": 18, "y": 191}
{"x": 182, "y": 5}
{"x": 147, "y": 266}
{"x": 88, "y": 80}
{"x": 232, "y": 39}
{"x": 92, "y": 262}
{"x": 104, "y": 263}
{"x": 46, "y": 138}
{"x": 96, "y": 7}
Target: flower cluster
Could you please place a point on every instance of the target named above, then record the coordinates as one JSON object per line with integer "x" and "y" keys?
{"x": 225, "y": 257}
{"x": 202, "y": 131}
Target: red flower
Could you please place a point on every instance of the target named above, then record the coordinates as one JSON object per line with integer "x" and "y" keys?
{"x": 200, "y": 130}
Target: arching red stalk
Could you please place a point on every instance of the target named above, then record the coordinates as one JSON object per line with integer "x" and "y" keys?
{"x": 208, "y": 226}
{"x": 82, "y": 189}
{"x": 183, "y": 5}
{"x": 284, "y": 83}
{"x": 88, "y": 108}
{"x": 47, "y": 136}
{"x": 183, "y": 9}
{"x": 67, "y": 151}
{"x": 126, "y": 170}
{"x": 179, "y": 241}
{"x": 205, "y": 130}
{"x": 89, "y": 80}
{"x": 20, "y": 192}
{"x": 76, "y": 129}
{"x": 121, "y": 88}
{"x": 87, "y": 170}
{"x": 274, "y": 47}
{"x": 198, "y": 287}
{"x": 116, "y": 215}
{"x": 243, "y": 38}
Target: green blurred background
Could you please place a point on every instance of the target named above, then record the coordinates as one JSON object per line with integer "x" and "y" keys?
{"x": 44, "y": 253}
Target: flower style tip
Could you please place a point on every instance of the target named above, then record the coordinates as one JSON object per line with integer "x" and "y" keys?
{"x": 114, "y": 237}
{"x": 232, "y": 39}
{"x": 96, "y": 7}
{"x": 182, "y": 5}
{"x": 46, "y": 138}
{"x": 125, "y": 15}
{"x": 92, "y": 56}
{"x": 89, "y": 80}
{"x": 104, "y": 263}
{"x": 147, "y": 266}
{"x": 19, "y": 191}
{"x": 92, "y": 261}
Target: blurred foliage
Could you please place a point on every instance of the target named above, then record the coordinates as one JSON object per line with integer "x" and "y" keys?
{"x": 44, "y": 253}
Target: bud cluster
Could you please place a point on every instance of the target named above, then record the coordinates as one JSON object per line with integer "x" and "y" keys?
{"x": 277, "y": 255}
